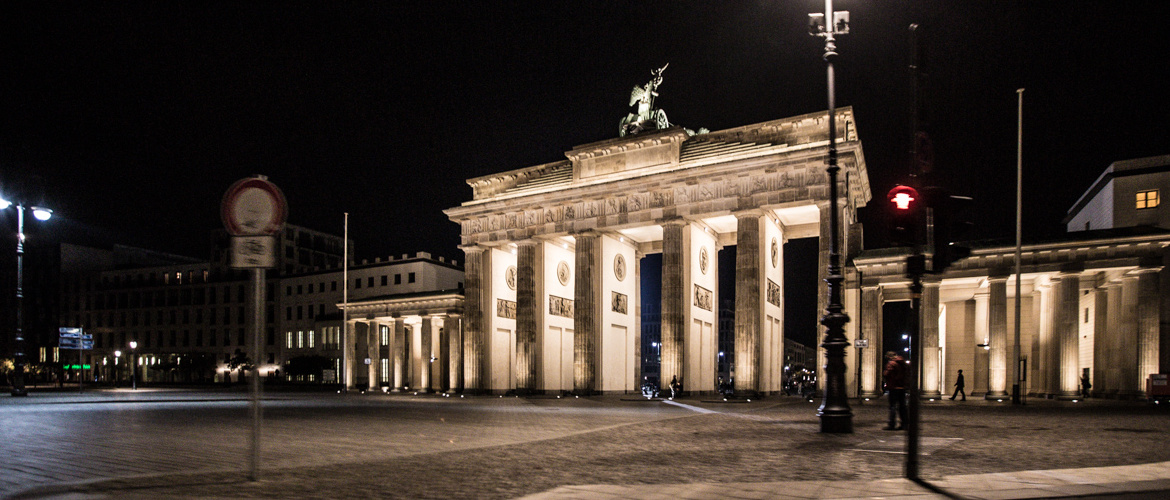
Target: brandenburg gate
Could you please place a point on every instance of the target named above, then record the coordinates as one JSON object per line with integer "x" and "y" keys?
{"x": 552, "y": 284}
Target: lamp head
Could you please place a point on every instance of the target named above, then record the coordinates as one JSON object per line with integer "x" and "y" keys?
{"x": 4, "y": 203}
{"x": 42, "y": 214}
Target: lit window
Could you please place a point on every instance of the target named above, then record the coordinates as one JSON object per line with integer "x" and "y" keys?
{"x": 288, "y": 343}
{"x": 300, "y": 339}
{"x": 310, "y": 339}
{"x": 1147, "y": 199}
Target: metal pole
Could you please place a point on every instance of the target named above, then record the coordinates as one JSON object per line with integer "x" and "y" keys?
{"x": 835, "y": 414}
{"x": 18, "y": 361}
{"x": 257, "y": 353}
{"x": 1017, "y": 388}
{"x": 912, "y": 430}
{"x": 81, "y": 361}
{"x": 345, "y": 306}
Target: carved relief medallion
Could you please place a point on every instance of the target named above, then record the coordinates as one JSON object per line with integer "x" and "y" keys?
{"x": 775, "y": 253}
{"x": 563, "y": 272}
{"x": 619, "y": 267}
{"x": 704, "y": 260}
{"x": 510, "y": 277}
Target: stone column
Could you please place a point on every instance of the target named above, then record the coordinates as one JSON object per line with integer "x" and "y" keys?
{"x": 748, "y": 282}
{"x": 1113, "y": 361}
{"x": 997, "y": 335}
{"x": 871, "y": 330}
{"x": 361, "y": 350}
{"x": 398, "y": 375}
{"x": 1148, "y": 326}
{"x": 349, "y": 371}
{"x": 1101, "y": 321}
{"x": 823, "y": 244}
{"x": 374, "y": 347}
{"x": 426, "y": 337}
{"x": 454, "y": 328}
{"x": 637, "y": 299}
{"x": 982, "y": 336}
{"x": 527, "y": 309}
{"x": 442, "y": 367}
{"x": 673, "y": 302}
{"x": 1127, "y": 354}
{"x": 585, "y": 321}
{"x": 928, "y": 321}
{"x": 1068, "y": 335}
{"x": 474, "y": 344}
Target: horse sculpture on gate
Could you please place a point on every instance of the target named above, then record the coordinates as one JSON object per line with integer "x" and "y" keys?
{"x": 647, "y": 118}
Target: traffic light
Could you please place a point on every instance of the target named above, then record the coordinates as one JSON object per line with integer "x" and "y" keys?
{"x": 905, "y": 215}
{"x": 952, "y": 227}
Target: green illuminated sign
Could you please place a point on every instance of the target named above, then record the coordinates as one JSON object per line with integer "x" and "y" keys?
{"x": 75, "y": 367}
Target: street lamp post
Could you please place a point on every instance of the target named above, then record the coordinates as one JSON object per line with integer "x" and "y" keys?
{"x": 18, "y": 344}
{"x": 117, "y": 366}
{"x": 134, "y": 365}
{"x": 835, "y": 414}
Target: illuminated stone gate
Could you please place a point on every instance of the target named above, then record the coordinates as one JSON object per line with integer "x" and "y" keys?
{"x": 553, "y": 252}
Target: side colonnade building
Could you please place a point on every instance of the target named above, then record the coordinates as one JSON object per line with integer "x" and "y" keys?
{"x": 1090, "y": 306}
{"x": 553, "y": 254}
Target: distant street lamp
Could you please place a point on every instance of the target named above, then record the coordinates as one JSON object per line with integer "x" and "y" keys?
{"x": 18, "y": 357}
{"x": 835, "y": 414}
{"x": 134, "y": 365}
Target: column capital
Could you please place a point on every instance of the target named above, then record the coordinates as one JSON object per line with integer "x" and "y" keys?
{"x": 472, "y": 248}
{"x": 751, "y": 212}
{"x": 1142, "y": 270}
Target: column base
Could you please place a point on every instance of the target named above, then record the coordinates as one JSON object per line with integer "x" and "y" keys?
{"x": 1069, "y": 396}
{"x": 997, "y": 395}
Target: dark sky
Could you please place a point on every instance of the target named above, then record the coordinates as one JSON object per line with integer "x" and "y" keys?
{"x": 135, "y": 117}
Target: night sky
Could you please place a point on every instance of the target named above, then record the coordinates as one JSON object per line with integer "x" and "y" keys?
{"x": 133, "y": 118}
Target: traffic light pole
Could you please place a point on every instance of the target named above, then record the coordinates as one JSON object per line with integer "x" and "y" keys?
{"x": 914, "y": 266}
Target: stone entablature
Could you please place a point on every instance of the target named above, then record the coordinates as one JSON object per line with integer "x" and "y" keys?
{"x": 647, "y": 182}
{"x": 439, "y": 303}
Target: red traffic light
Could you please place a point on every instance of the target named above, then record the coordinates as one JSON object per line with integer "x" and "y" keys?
{"x": 903, "y": 197}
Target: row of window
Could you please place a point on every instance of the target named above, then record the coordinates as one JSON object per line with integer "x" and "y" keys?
{"x": 176, "y": 338}
{"x": 158, "y": 298}
{"x": 357, "y": 283}
{"x": 288, "y": 312}
{"x": 306, "y": 339}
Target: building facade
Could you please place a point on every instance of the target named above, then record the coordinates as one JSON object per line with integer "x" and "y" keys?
{"x": 1127, "y": 194}
{"x": 192, "y": 321}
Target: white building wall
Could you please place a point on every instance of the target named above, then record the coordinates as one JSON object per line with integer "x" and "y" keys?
{"x": 557, "y": 348}
{"x": 618, "y": 328}
{"x": 700, "y": 344}
{"x": 772, "y": 327}
{"x": 499, "y": 330}
{"x": 1098, "y": 212}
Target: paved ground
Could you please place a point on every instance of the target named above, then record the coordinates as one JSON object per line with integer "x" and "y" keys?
{"x": 185, "y": 444}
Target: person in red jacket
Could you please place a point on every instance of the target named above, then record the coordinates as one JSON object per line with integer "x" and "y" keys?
{"x": 895, "y": 376}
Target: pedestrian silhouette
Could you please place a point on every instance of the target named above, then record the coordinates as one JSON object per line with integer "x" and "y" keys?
{"x": 959, "y": 386}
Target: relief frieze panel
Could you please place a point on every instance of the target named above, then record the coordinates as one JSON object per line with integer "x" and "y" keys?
{"x": 793, "y": 182}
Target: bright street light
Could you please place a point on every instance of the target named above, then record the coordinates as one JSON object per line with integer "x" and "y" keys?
{"x": 18, "y": 344}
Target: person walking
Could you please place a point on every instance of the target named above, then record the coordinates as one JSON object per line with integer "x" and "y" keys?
{"x": 895, "y": 376}
{"x": 959, "y": 386}
{"x": 675, "y": 387}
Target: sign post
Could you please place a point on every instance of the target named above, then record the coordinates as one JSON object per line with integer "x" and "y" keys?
{"x": 75, "y": 338}
{"x": 254, "y": 211}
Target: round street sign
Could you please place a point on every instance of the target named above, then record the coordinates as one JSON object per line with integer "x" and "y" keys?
{"x": 252, "y": 207}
